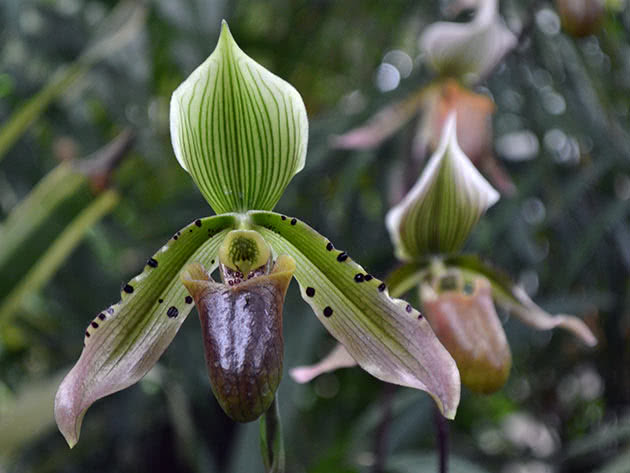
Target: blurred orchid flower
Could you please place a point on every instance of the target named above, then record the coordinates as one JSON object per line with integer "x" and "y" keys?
{"x": 468, "y": 50}
{"x": 457, "y": 292}
{"x": 474, "y": 127}
{"x": 581, "y": 17}
{"x": 459, "y": 52}
{"x": 241, "y": 133}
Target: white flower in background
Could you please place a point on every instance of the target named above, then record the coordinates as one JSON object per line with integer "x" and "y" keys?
{"x": 468, "y": 50}
{"x": 438, "y": 213}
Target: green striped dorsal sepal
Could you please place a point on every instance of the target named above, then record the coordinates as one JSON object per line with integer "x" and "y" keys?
{"x": 438, "y": 213}
{"x": 124, "y": 341}
{"x": 239, "y": 130}
{"x": 387, "y": 337}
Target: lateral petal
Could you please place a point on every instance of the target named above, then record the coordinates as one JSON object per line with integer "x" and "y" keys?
{"x": 124, "y": 341}
{"x": 387, "y": 337}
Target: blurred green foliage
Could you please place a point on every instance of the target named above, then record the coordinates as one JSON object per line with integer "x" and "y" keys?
{"x": 561, "y": 130}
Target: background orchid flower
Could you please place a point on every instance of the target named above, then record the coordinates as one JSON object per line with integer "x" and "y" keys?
{"x": 468, "y": 50}
{"x": 461, "y": 54}
{"x": 457, "y": 292}
{"x": 241, "y": 133}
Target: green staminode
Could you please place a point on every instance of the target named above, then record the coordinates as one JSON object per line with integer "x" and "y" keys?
{"x": 244, "y": 251}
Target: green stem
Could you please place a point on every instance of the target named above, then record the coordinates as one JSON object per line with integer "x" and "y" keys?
{"x": 271, "y": 442}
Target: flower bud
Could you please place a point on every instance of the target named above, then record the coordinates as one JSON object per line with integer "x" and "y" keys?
{"x": 466, "y": 322}
{"x": 581, "y": 17}
{"x": 439, "y": 212}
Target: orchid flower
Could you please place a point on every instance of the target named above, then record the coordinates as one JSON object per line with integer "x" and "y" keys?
{"x": 460, "y": 53}
{"x": 241, "y": 133}
{"x": 469, "y": 50}
{"x": 457, "y": 292}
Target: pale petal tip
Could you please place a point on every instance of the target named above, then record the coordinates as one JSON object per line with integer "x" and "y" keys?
{"x": 68, "y": 422}
{"x": 301, "y": 374}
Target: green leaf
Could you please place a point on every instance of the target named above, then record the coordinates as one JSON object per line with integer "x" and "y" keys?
{"x": 37, "y": 220}
{"x": 387, "y": 337}
{"x": 406, "y": 277}
{"x": 117, "y": 29}
{"x": 124, "y": 341}
{"x": 50, "y": 260}
{"x": 239, "y": 130}
{"x": 439, "y": 212}
{"x": 514, "y": 299}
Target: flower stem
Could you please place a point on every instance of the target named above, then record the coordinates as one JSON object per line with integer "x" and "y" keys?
{"x": 271, "y": 442}
{"x": 381, "y": 440}
{"x": 441, "y": 431}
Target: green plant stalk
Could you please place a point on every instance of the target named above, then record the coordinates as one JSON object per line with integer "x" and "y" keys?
{"x": 32, "y": 213}
{"x": 57, "y": 253}
{"x": 271, "y": 442}
{"x": 127, "y": 17}
{"x": 32, "y": 109}
{"x": 38, "y": 220}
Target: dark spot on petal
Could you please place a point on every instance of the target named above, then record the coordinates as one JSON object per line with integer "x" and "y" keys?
{"x": 172, "y": 312}
{"x": 198, "y": 222}
{"x": 293, "y": 221}
{"x": 188, "y": 299}
{"x": 94, "y": 324}
{"x": 190, "y": 231}
{"x": 341, "y": 257}
{"x": 283, "y": 217}
{"x": 160, "y": 300}
{"x": 328, "y": 311}
{"x": 419, "y": 316}
{"x": 408, "y": 308}
{"x": 87, "y": 334}
{"x": 359, "y": 277}
{"x": 329, "y": 246}
{"x": 128, "y": 288}
{"x": 212, "y": 262}
{"x": 310, "y": 292}
{"x": 368, "y": 277}
{"x": 152, "y": 262}
{"x": 102, "y": 316}
{"x": 381, "y": 287}
{"x": 175, "y": 237}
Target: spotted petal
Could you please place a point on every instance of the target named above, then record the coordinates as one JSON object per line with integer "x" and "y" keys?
{"x": 124, "y": 341}
{"x": 239, "y": 130}
{"x": 468, "y": 50}
{"x": 438, "y": 213}
{"x": 386, "y": 336}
